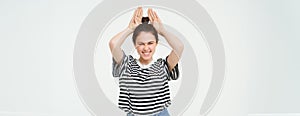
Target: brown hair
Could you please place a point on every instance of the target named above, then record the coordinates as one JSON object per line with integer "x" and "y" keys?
{"x": 144, "y": 27}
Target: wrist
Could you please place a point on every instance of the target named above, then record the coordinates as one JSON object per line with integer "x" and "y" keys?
{"x": 129, "y": 30}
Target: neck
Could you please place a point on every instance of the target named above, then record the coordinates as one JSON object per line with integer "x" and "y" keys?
{"x": 145, "y": 62}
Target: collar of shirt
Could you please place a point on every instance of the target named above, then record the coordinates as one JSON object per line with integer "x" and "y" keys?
{"x": 147, "y": 65}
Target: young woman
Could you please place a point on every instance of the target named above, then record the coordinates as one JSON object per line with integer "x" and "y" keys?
{"x": 143, "y": 82}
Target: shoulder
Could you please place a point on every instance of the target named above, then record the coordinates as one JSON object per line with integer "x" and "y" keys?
{"x": 160, "y": 62}
{"x": 131, "y": 60}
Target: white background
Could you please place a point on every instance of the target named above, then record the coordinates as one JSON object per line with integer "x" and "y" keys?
{"x": 260, "y": 38}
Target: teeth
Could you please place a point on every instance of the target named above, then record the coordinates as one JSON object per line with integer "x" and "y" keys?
{"x": 146, "y": 53}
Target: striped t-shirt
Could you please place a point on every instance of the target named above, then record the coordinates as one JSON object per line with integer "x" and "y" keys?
{"x": 144, "y": 91}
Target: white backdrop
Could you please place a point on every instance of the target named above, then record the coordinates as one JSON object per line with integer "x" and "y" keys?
{"x": 260, "y": 38}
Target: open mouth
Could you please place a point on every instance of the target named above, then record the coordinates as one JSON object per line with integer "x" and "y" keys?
{"x": 146, "y": 53}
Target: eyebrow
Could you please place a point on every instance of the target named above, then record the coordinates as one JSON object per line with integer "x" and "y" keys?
{"x": 145, "y": 42}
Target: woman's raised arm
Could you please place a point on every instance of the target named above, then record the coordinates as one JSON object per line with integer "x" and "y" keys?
{"x": 116, "y": 42}
{"x": 174, "y": 42}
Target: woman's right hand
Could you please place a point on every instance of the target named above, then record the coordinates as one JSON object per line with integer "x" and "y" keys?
{"x": 136, "y": 19}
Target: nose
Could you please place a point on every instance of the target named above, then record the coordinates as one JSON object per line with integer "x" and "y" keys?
{"x": 146, "y": 47}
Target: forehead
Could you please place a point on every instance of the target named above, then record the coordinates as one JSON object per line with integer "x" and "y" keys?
{"x": 145, "y": 37}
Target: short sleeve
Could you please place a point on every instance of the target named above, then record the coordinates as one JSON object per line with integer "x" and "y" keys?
{"x": 174, "y": 73}
{"x": 118, "y": 69}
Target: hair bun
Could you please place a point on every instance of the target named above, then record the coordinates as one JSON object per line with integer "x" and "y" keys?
{"x": 145, "y": 20}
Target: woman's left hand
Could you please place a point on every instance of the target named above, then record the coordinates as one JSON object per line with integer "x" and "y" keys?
{"x": 155, "y": 21}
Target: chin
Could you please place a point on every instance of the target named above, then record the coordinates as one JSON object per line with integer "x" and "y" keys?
{"x": 146, "y": 57}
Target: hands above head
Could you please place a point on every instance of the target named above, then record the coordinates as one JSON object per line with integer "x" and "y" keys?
{"x": 153, "y": 17}
{"x": 136, "y": 19}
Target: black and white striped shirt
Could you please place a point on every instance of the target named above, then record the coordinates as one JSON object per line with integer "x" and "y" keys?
{"x": 144, "y": 91}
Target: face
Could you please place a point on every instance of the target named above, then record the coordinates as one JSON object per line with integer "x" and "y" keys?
{"x": 145, "y": 45}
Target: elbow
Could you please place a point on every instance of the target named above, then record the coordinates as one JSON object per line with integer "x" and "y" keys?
{"x": 112, "y": 44}
{"x": 180, "y": 48}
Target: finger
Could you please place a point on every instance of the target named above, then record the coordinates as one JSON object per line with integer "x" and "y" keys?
{"x": 138, "y": 21}
{"x": 135, "y": 12}
{"x": 149, "y": 15}
{"x": 141, "y": 15}
{"x": 141, "y": 12}
{"x": 156, "y": 17}
{"x": 135, "y": 15}
{"x": 154, "y": 14}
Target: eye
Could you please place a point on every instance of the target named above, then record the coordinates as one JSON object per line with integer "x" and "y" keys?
{"x": 150, "y": 43}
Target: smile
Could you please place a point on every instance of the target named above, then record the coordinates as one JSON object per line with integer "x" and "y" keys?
{"x": 146, "y": 53}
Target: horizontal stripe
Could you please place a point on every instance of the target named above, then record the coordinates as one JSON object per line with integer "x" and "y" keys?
{"x": 149, "y": 112}
{"x": 150, "y": 97}
{"x": 143, "y": 91}
{"x": 148, "y": 86}
{"x": 147, "y": 106}
{"x": 139, "y": 109}
{"x": 146, "y": 93}
{"x": 149, "y": 100}
{"x": 143, "y": 79}
{"x": 142, "y": 83}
